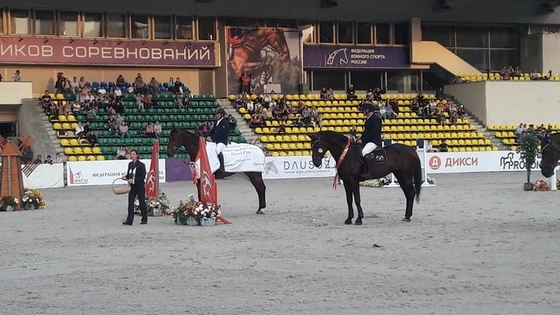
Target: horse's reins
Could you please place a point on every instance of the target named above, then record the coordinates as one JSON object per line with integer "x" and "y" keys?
{"x": 342, "y": 156}
{"x": 551, "y": 144}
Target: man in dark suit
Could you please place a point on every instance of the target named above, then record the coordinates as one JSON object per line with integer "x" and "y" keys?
{"x": 371, "y": 138}
{"x": 220, "y": 135}
{"x": 135, "y": 176}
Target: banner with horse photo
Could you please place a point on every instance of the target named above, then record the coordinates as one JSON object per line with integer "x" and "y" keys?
{"x": 269, "y": 58}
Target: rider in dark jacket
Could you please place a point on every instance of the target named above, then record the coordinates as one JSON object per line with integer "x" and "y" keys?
{"x": 371, "y": 137}
{"x": 220, "y": 135}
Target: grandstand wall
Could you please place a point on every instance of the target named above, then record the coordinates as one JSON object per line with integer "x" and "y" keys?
{"x": 509, "y": 103}
{"x": 13, "y": 92}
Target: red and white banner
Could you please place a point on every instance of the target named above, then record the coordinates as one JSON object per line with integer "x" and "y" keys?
{"x": 152, "y": 185}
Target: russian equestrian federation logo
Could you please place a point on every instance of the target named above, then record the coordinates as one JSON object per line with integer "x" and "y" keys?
{"x": 270, "y": 167}
{"x": 206, "y": 185}
{"x": 338, "y": 57}
{"x": 151, "y": 180}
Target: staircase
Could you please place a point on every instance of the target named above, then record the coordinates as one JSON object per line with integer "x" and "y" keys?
{"x": 481, "y": 127}
{"x": 242, "y": 125}
{"x": 34, "y": 121}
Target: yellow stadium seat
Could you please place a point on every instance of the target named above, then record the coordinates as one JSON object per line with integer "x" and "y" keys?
{"x": 66, "y": 126}
{"x": 71, "y": 118}
{"x": 57, "y": 126}
{"x": 100, "y": 158}
{"x": 81, "y": 158}
{"x": 62, "y": 118}
{"x": 86, "y": 150}
{"x": 91, "y": 158}
{"x": 68, "y": 151}
{"x": 74, "y": 142}
{"x": 78, "y": 150}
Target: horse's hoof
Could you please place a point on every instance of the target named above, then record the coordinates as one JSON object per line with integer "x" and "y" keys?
{"x": 260, "y": 212}
{"x": 348, "y": 221}
{"x": 406, "y": 220}
{"x": 358, "y": 222}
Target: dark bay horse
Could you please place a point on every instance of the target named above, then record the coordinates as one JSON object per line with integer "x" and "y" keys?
{"x": 550, "y": 155}
{"x": 246, "y": 57}
{"x": 401, "y": 160}
{"x": 181, "y": 137}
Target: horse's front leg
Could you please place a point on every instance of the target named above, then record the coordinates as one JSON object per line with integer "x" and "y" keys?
{"x": 358, "y": 200}
{"x": 348, "y": 188}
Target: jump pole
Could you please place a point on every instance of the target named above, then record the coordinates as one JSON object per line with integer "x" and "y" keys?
{"x": 421, "y": 151}
{"x": 553, "y": 180}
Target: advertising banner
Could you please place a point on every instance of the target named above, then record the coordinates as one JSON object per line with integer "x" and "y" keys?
{"x": 177, "y": 170}
{"x": 270, "y": 55}
{"x": 469, "y": 162}
{"x": 102, "y": 173}
{"x": 297, "y": 167}
{"x": 337, "y": 56}
{"x": 42, "y": 176}
{"x": 105, "y": 52}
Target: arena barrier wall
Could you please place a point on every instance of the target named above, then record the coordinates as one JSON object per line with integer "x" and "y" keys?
{"x": 288, "y": 167}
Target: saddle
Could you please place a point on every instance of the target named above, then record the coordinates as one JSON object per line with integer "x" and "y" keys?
{"x": 376, "y": 157}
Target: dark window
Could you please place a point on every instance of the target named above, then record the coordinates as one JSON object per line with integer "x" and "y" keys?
{"x": 162, "y": 27}
{"x": 500, "y": 58}
{"x": 116, "y": 25}
{"x": 401, "y": 33}
{"x": 93, "y": 25}
{"x": 330, "y": 79}
{"x": 206, "y": 28}
{"x": 472, "y": 37}
{"x": 443, "y": 34}
{"x": 395, "y": 81}
{"x": 478, "y": 58}
{"x": 183, "y": 27}
{"x": 346, "y": 32}
{"x": 364, "y": 80}
{"x": 139, "y": 26}
{"x": 44, "y": 22}
{"x": 287, "y": 23}
{"x": 363, "y": 33}
{"x": 19, "y": 22}
{"x": 383, "y": 33}
{"x": 326, "y": 32}
{"x": 504, "y": 37}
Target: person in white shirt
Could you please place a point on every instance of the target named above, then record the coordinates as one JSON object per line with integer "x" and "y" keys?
{"x": 79, "y": 130}
{"x": 16, "y": 76}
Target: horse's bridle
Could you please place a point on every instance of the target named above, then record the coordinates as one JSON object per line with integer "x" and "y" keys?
{"x": 320, "y": 150}
{"x": 551, "y": 144}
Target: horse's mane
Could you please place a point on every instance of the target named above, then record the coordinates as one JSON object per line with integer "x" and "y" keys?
{"x": 334, "y": 136}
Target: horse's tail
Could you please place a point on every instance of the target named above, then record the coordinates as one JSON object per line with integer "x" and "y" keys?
{"x": 418, "y": 179}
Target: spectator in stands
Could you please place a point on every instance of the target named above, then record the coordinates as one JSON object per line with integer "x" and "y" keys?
{"x": 245, "y": 81}
{"x": 428, "y": 146}
{"x": 16, "y": 76}
{"x": 204, "y": 129}
{"x": 38, "y": 160}
{"x": 139, "y": 85}
{"x": 123, "y": 130}
{"x": 443, "y": 146}
{"x": 47, "y": 100}
{"x": 150, "y": 131}
{"x": 111, "y": 124}
{"x": 79, "y": 131}
{"x": 157, "y": 129}
{"x": 453, "y": 117}
{"x": 139, "y": 101}
{"x": 232, "y": 122}
{"x": 281, "y": 128}
{"x": 353, "y": 133}
{"x": 544, "y": 137}
{"x": 180, "y": 87}
{"x": 147, "y": 101}
{"x": 351, "y": 93}
{"x": 91, "y": 137}
{"x": 439, "y": 94}
{"x": 76, "y": 108}
{"x": 49, "y": 160}
{"x": 441, "y": 119}
{"x": 377, "y": 94}
{"x": 58, "y": 158}
{"x": 121, "y": 153}
{"x": 178, "y": 102}
{"x": 324, "y": 94}
{"x": 153, "y": 86}
{"x": 535, "y": 75}
{"x": 120, "y": 81}
{"x": 256, "y": 121}
{"x": 461, "y": 111}
{"x": 389, "y": 113}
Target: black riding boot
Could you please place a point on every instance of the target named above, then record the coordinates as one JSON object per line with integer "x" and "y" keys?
{"x": 365, "y": 173}
{"x": 221, "y": 159}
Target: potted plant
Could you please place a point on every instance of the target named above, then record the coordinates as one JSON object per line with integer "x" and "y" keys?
{"x": 528, "y": 150}
{"x": 31, "y": 200}
{"x": 156, "y": 207}
{"x": 9, "y": 203}
{"x": 196, "y": 213}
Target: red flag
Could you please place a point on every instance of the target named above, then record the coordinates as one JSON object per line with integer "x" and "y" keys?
{"x": 207, "y": 179}
{"x": 152, "y": 183}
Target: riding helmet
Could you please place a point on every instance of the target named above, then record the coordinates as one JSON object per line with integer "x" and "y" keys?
{"x": 369, "y": 107}
{"x": 220, "y": 110}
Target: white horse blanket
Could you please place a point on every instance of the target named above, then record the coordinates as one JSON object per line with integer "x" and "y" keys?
{"x": 238, "y": 157}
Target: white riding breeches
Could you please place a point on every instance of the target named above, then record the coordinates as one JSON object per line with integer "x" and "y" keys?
{"x": 220, "y": 147}
{"x": 368, "y": 148}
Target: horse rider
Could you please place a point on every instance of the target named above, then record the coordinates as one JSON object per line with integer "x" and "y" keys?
{"x": 371, "y": 137}
{"x": 220, "y": 135}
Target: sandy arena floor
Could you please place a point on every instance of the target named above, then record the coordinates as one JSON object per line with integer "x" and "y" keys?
{"x": 477, "y": 244}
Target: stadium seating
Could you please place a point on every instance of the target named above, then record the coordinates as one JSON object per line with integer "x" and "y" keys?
{"x": 506, "y": 134}
{"x": 478, "y": 77}
{"x": 201, "y": 108}
{"x": 340, "y": 114}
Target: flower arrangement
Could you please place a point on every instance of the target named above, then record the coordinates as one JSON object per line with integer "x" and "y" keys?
{"x": 541, "y": 185}
{"x": 32, "y": 199}
{"x": 8, "y": 203}
{"x": 194, "y": 210}
{"x": 156, "y": 207}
